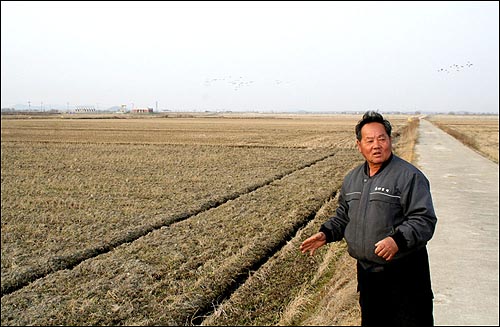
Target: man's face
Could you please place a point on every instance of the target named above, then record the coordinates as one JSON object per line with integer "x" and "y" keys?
{"x": 375, "y": 144}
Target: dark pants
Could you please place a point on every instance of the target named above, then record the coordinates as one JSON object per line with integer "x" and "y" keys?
{"x": 399, "y": 295}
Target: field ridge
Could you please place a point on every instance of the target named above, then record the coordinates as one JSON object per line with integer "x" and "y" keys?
{"x": 241, "y": 279}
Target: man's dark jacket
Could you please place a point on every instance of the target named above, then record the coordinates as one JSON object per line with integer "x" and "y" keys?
{"x": 395, "y": 202}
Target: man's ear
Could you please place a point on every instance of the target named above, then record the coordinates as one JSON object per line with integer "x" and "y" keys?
{"x": 358, "y": 143}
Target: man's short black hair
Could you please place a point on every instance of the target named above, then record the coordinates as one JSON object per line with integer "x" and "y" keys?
{"x": 372, "y": 117}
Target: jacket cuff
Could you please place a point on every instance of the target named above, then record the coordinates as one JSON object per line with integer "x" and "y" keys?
{"x": 400, "y": 240}
{"x": 328, "y": 234}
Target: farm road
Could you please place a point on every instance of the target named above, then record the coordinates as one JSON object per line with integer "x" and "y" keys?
{"x": 464, "y": 250}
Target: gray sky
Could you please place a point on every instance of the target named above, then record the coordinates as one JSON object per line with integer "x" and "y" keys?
{"x": 317, "y": 56}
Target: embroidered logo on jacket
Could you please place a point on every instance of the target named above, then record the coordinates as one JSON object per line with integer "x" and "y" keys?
{"x": 382, "y": 189}
{"x": 385, "y": 191}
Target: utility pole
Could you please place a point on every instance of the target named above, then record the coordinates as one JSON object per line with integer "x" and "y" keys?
{"x": 29, "y": 105}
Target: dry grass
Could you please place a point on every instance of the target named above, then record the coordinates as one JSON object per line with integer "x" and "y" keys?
{"x": 239, "y": 189}
{"x": 175, "y": 272}
{"x": 287, "y": 131}
{"x": 295, "y": 289}
{"x": 477, "y": 132}
{"x": 64, "y": 202}
{"x": 405, "y": 138}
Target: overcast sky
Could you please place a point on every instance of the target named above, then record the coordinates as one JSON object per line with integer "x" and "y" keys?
{"x": 317, "y": 56}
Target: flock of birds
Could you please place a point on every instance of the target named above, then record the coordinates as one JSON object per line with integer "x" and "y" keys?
{"x": 238, "y": 82}
{"x": 235, "y": 83}
{"x": 455, "y": 68}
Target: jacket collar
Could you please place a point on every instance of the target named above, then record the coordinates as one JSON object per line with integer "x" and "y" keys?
{"x": 367, "y": 169}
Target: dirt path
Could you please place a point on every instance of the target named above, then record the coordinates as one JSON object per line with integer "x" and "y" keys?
{"x": 464, "y": 250}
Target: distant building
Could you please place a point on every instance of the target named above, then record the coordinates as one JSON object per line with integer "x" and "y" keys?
{"x": 85, "y": 109}
{"x": 142, "y": 110}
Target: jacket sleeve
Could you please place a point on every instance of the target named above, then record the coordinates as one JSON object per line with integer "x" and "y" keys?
{"x": 335, "y": 226}
{"x": 420, "y": 219}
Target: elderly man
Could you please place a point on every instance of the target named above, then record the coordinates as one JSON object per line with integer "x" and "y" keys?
{"x": 385, "y": 213}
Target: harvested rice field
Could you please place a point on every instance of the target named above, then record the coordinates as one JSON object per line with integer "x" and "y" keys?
{"x": 174, "y": 220}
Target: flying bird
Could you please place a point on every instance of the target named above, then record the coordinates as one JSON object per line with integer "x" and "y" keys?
{"x": 455, "y": 67}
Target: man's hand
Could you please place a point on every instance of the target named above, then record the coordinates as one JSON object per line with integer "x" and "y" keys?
{"x": 313, "y": 242}
{"x": 386, "y": 248}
